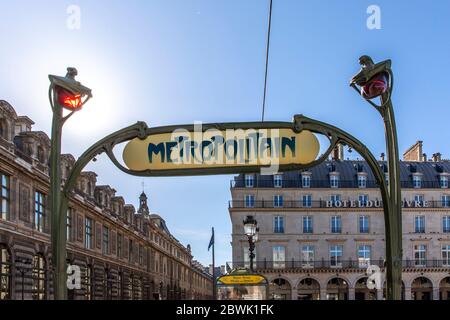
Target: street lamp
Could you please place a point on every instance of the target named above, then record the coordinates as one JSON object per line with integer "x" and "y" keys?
{"x": 371, "y": 82}
{"x": 251, "y": 231}
{"x": 64, "y": 93}
{"x": 22, "y": 265}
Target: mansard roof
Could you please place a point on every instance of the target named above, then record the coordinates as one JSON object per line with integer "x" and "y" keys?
{"x": 348, "y": 170}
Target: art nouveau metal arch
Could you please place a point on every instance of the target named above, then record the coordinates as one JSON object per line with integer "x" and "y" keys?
{"x": 141, "y": 130}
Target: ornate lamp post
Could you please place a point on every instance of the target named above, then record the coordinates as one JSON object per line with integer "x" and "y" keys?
{"x": 64, "y": 93}
{"x": 251, "y": 231}
{"x": 376, "y": 81}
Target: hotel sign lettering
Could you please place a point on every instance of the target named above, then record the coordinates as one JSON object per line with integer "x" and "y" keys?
{"x": 221, "y": 148}
{"x": 374, "y": 204}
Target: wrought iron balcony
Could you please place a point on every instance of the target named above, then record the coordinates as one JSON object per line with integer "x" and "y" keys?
{"x": 334, "y": 264}
{"x": 289, "y": 204}
{"x": 297, "y": 183}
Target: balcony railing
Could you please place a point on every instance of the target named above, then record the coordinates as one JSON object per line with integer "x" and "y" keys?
{"x": 286, "y": 204}
{"x": 332, "y": 264}
{"x": 269, "y": 183}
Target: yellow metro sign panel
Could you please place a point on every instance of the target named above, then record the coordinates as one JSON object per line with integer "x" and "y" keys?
{"x": 241, "y": 279}
{"x": 215, "y": 148}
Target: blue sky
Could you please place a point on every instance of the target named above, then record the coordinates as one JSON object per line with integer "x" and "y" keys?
{"x": 172, "y": 62}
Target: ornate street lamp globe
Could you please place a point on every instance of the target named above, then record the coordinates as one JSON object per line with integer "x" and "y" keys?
{"x": 250, "y": 226}
{"x": 375, "y": 87}
{"x": 255, "y": 236}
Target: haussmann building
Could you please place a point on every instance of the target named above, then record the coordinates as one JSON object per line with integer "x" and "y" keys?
{"x": 322, "y": 228}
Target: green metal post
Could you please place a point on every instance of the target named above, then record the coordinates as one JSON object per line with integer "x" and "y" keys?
{"x": 393, "y": 220}
{"x": 394, "y": 224}
{"x": 57, "y": 233}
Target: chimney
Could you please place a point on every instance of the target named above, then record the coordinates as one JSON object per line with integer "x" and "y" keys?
{"x": 414, "y": 153}
{"x": 382, "y": 156}
{"x": 424, "y": 157}
{"x": 436, "y": 157}
{"x": 338, "y": 152}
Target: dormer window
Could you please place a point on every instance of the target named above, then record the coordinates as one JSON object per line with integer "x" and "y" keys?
{"x": 417, "y": 181}
{"x": 443, "y": 181}
{"x": 40, "y": 154}
{"x": 334, "y": 181}
{"x": 306, "y": 180}
{"x": 3, "y": 129}
{"x": 362, "y": 181}
{"x": 249, "y": 181}
{"x": 277, "y": 180}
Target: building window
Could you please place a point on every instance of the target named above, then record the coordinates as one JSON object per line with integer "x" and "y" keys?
{"x": 141, "y": 255}
{"x": 420, "y": 254}
{"x": 335, "y": 198}
{"x": 362, "y": 181}
{"x": 5, "y": 197}
{"x": 446, "y": 224}
{"x": 249, "y": 200}
{"x": 69, "y": 225}
{"x": 5, "y": 274}
{"x": 417, "y": 181}
{"x": 249, "y": 181}
{"x": 119, "y": 245}
{"x": 38, "y": 278}
{"x": 307, "y": 255}
{"x": 306, "y": 181}
{"x": 39, "y": 211}
{"x": 363, "y": 199}
{"x": 277, "y": 181}
{"x": 278, "y": 201}
{"x": 419, "y": 224}
{"x": 364, "y": 256}
{"x": 445, "y": 201}
{"x": 279, "y": 257}
{"x": 278, "y": 224}
{"x": 105, "y": 240}
{"x": 443, "y": 181}
{"x": 418, "y": 199}
{"x": 336, "y": 224}
{"x": 363, "y": 224}
{"x": 446, "y": 255}
{"x": 88, "y": 282}
{"x": 307, "y": 224}
{"x": 336, "y": 256}
{"x": 307, "y": 201}
{"x": 88, "y": 233}
{"x": 334, "y": 181}
{"x": 130, "y": 251}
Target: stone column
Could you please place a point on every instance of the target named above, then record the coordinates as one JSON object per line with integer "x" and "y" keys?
{"x": 323, "y": 294}
{"x": 407, "y": 293}
{"x": 379, "y": 294}
{"x": 294, "y": 294}
{"x": 436, "y": 294}
{"x": 351, "y": 293}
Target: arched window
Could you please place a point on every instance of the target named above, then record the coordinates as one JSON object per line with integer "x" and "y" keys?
{"x": 40, "y": 154}
{"x": 119, "y": 286}
{"x": 107, "y": 285}
{"x": 88, "y": 282}
{"x": 131, "y": 287}
{"x": 5, "y": 273}
{"x": 3, "y": 129}
{"x": 39, "y": 278}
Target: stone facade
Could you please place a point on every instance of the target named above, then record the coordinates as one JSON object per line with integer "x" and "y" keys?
{"x": 121, "y": 253}
{"x": 320, "y": 229}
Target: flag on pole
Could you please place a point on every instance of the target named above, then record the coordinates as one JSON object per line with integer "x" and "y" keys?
{"x": 211, "y": 242}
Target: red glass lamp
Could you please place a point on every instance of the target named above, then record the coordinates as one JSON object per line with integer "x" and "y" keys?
{"x": 375, "y": 87}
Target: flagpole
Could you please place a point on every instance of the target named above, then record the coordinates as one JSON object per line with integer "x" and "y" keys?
{"x": 213, "y": 266}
